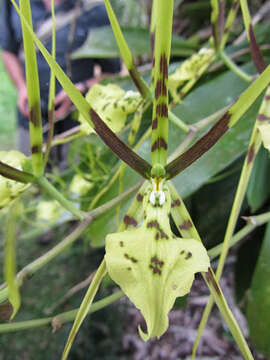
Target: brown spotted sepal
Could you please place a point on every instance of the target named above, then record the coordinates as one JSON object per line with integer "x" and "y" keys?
{"x": 151, "y": 265}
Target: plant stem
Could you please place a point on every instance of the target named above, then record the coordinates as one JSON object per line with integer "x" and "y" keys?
{"x": 55, "y": 194}
{"x": 234, "y": 68}
{"x": 60, "y": 319}
{"x": 252, "y": 223}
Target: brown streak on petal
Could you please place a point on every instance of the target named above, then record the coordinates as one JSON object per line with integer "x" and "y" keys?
{"x": 158, "y": 89}
{"x": 34, "y": 116}
{"x": 255, "y": 51}
{"x": 211, "y": 280}
{"x": 186, "y": 225}
{"x": 155, "y": 123}
{"x": 134, "y": 75}
{"x": 199, "y": 148}
{"x": 250, "y": 154}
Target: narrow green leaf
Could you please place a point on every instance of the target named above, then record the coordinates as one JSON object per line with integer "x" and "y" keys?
{"x": 33, "y": 91}
{"x": 85, "y": 307}
{"x": 258, "y": 314}
{"x": 10, "y": 259}
{"x": 258, "y": 189}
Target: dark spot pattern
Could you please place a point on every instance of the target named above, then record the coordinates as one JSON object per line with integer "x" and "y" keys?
{"x": 155, "y": 123}
{"x": 131, "y": 258}
{"x": 161, "y": 234}
{"x": 176, "y": 203}
{"x": 267, "y": 97}
{"x": 36, "y": 149}
{"x": 156, "y": 265}
{"x": 121, "y": 243}
{"x": 158, "y": 144}
{"x": 139, "y": 197}
{"x": 186, "y": 225}
{"x": 163, "y": 66}
{"x": 262, "y": 117}
{"x": 188, "y": 256}
{"x": 34, "y": 116}
{"x": 250, "y": 154}
{"x": 128, "y": 220}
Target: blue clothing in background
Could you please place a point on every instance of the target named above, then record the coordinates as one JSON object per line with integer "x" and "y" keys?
{"x": 80, "y": 69}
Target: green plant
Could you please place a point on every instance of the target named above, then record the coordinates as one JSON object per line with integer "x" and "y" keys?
{"x": 165, "y": 259}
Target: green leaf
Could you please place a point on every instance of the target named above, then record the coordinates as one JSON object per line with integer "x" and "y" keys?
{"x": 85, "y": 307}
{"x": 152, "y": 266}
{"x": 258, "y": 308}
{"x": 101, "y": 44}
{"x": 10, "y": 260}
{"x": 258, "y": 188}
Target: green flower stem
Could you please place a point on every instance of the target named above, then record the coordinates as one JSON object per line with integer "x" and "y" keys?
{"x": 229, "y": 22}
{"x": 29, "y": 270}
{"x": 60, "y": 319}
{"x": 55, "y": 194}
{"x": 254, "y": 146}
{"x": 252, "y": 223}
{"x": 32, "y": 82}
{"x": 184, "y": 223}
{"x": 178, "y": 122}
{"x": 234, "y": 68}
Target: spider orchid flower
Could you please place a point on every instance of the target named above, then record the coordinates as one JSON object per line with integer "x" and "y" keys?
{"x": 151, "y": 265}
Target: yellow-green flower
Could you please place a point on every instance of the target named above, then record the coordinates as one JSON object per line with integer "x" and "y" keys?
{"x": 112, "y": 104}
{"x": 79, "y": 185}
{"x": 151, "y": 265}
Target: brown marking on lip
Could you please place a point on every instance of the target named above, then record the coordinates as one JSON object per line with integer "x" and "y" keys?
{"x": 121, "y": 243}
{"x": 130, "y": 221}
{"x": 139, "y": 197}
{"x": 155, "y": 224}
{"x": 186, "y": 225}
{"x": 156, "y": 265}
{"x": 131, "y": 258}
{"x": 267, "y": 97}
{"x": 188, "y": 256}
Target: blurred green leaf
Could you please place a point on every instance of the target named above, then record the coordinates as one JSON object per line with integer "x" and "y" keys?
{"x": 258, "y": 309}
{"x": 258, "y": 188}
{"x": 101, "y": 43}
